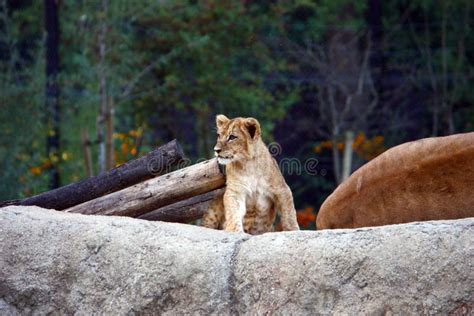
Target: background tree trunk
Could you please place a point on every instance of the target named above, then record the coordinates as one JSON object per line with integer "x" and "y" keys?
{"x": 86, "y": 148}
{"x": 336, "y": 160}
{"x": 109, "y": 134}
{"x": 101, "y": 118}
{"x": 53, "y": 110}
{"x": 347, "y": 158}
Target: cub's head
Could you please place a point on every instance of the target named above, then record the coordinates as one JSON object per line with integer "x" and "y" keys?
{"x": 236, "y": 138}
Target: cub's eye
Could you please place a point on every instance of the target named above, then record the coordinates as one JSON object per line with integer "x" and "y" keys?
{"x": 232, "y": 137}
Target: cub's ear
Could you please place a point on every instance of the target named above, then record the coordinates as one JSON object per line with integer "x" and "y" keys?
{"x": 221, "y": 120}
{"x": 253, "y": 127}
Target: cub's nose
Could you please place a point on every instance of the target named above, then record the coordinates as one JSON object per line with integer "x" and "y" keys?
{"x": 217, "y": 150}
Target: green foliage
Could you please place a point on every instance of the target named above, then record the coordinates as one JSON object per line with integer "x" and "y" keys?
{"x": 171, "y": 66}
{"x": 171, "y": 59}
{"x": 306, "y": 20}
{"x": 21, "y": 118}
{"x": 205, "y": 58}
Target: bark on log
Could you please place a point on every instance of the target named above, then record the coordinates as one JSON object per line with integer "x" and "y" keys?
{"x": 86, "y": 148}
{"x": 155, "y": 193}
{"x": 184, "y": 211}
{"x": 156, "y": 162}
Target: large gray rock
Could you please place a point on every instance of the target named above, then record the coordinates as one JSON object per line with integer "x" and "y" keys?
{"x": 421, "y": 268}
{"x": 94, "y": 264}
{"x": 58, "y": 262}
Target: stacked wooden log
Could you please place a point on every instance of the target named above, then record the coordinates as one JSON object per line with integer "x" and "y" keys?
{"x": 146, "y": 188}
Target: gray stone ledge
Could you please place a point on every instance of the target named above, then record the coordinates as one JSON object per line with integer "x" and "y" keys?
{"x": 69, "y": 263}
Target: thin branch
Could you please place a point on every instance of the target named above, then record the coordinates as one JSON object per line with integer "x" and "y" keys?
{"x": 129, "y": 87}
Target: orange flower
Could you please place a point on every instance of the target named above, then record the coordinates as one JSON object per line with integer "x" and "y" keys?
{"x": 327, "y": 144}
{"x": 124, "y": 148}
{"x": 45, "y": 165}
{"x": 358, "y": 140}
{"x": 35, "y": 171}
{"x": 119, "y": 135}
{"x": 306, "y": 217}
{"x": 378, "y": 139}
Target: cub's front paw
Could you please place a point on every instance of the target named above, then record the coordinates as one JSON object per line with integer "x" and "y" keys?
{"x": 290, "y": 226}
{"x": 232, "y": 227}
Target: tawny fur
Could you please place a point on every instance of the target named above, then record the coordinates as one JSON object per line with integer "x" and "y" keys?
{"x": 429, "y": 179}
{"x": 255, "y": 188}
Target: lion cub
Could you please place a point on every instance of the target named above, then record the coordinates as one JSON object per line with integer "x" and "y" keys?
{"x": 255, "y": 188}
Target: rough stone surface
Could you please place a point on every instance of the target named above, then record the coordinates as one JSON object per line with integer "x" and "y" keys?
{"x": 54, "y": 262}
{"x": 421, "y": 268}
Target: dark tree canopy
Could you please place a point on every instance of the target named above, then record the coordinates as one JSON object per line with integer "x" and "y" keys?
{"x": 333, "y": 83}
